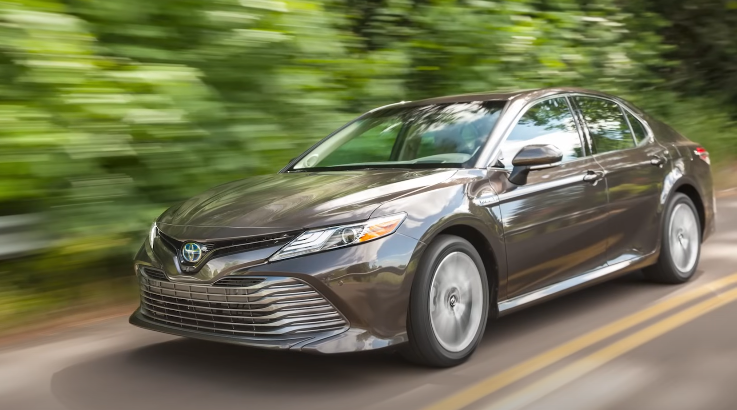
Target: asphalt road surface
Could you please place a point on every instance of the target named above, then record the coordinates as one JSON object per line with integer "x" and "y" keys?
{"x": 626, "y": 344}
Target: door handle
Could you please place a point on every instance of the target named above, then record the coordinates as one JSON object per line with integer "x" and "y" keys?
{"x": 658, "y": 160}
{"x": 593, "y": 176}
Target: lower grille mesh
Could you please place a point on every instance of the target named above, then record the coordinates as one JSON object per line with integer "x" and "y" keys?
{"x": 272, "y": 308}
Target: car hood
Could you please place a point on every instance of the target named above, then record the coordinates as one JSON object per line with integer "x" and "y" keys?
{"x": 291, "y": 201}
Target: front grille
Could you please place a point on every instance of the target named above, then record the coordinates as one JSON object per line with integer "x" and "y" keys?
{"x": 154, "y": 274}
{"x": 230, "y": 246}
{"x": 276, "y": 308}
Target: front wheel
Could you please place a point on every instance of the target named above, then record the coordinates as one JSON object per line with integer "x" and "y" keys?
{"x": 449, "y": 304}
{"x": 681, "y": 244}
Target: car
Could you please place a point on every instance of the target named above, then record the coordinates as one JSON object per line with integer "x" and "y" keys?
{"x": 415, "y": 224}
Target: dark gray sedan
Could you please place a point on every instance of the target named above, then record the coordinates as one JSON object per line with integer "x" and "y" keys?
{"x": 413, "y": 224}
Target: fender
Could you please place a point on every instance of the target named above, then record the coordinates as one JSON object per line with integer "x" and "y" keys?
{"x": 452, "y": 205}
{"x": 675, "y": 179}
{"x": 671, "y": 179}
{"x": 496, "y": 246}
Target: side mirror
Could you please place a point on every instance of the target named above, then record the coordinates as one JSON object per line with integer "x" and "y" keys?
{"x": 533, "y": 157}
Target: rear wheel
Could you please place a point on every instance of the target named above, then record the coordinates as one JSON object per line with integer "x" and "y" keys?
{"x": 449, "y": 304}
{"x": 681, "y": 244}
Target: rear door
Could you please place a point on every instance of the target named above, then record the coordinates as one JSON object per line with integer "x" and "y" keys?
{"x": 555, "y": 225}
{"x": 635, "y": 166}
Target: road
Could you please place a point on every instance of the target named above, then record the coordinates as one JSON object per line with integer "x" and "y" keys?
{"x": 625, "y": 344}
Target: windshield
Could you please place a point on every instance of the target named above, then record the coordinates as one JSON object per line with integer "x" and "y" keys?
{"x": 447, "y": 135}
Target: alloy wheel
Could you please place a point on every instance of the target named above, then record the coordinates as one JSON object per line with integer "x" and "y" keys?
{"x": 684, "y": 237}
{"x": 456, "y": 302}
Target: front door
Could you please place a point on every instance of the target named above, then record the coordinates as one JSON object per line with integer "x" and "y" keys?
{"x": 635, "y": 166}
{"x": 555, "y": 225}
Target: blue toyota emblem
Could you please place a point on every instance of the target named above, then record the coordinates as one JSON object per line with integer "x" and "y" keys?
{"x": 192, "y": 252}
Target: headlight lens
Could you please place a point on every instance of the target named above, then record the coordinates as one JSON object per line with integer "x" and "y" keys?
{"x": 152, "y": 234}
{"x": 339, "y": 236}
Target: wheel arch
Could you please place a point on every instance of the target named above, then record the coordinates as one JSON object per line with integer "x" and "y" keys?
{"x": 483, "y": 245}
{"x": 664, "y": 270}
{"x": 684, "y": 185}
{"x": 692, "y": 193}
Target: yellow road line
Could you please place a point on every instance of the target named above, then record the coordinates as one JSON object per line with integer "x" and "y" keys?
{"x": 595, "y": 360}
{"x": 524, "y": 369}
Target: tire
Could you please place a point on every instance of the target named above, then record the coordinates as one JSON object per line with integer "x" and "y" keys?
{"x": 681, "y": 245}
{"x": 450, "y": 283}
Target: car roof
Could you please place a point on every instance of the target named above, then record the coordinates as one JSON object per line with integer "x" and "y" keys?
{"x": 496, "y": 96}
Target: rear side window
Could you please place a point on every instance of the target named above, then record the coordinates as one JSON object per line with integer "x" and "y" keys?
{"x": 607, "y": 126}
{"x": 637, "y": 128}
{"x": 548, "y": 122}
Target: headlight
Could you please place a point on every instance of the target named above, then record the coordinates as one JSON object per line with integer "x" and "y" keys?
{"x": 152, "y": 234}
{"x": 337, "y": 237}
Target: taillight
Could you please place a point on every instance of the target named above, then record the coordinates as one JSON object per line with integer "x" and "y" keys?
{"x": 703, "y": 154}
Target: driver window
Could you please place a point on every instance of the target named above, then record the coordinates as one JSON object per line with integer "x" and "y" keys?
{"x": 548, "y": 122}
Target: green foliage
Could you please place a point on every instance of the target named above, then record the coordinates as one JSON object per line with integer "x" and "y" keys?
{"x": 110, "y": 111}
{"x": 702, "y": 43}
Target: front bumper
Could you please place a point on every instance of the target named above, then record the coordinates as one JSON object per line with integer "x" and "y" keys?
{"x": 344, "y": 300}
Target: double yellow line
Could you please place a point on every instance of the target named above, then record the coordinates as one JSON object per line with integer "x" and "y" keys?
{"x": 600, "y": 357}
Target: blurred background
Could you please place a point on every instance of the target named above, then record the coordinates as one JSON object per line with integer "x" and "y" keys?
{"x": 112, "y": 111}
